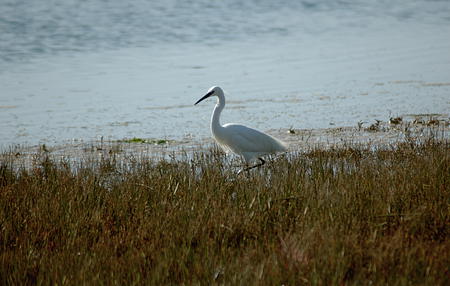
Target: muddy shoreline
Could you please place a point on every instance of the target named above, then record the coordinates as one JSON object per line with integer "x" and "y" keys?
{"x": 378, "y": 134}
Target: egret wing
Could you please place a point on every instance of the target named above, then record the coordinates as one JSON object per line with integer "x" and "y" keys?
{"x": 245, "y": 139}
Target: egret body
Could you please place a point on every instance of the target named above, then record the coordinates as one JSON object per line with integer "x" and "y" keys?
{"x": 239, "y": 139}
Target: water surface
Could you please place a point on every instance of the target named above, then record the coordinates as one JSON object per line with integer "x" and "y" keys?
{"x": 81, "y": 70}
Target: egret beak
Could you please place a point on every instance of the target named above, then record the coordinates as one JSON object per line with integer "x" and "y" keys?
{"x": 205, "y": 97}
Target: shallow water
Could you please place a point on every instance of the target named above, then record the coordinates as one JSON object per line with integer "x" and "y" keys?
{"x": 78, "y": 71}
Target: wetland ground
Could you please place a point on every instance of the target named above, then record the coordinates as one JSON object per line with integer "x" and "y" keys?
{"x": 352, "y": 213}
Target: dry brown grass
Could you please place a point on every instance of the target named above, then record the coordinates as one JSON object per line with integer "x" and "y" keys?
{"x": 345, "y": 216}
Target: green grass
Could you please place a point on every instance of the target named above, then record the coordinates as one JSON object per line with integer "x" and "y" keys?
{"x": 353, "y": 216}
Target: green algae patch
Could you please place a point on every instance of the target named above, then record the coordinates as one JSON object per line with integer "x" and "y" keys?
{"x": 145, "y": 141}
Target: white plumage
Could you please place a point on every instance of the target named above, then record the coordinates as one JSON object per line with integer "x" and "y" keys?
{"x": 239, "y": 139}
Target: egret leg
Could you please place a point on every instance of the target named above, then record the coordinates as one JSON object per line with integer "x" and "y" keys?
{"x": 255, "y": 166}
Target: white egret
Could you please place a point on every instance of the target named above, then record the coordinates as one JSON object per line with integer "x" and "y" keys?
{"x": 239, "y": 139}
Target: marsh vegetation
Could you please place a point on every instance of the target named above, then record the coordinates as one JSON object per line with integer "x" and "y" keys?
{"x": 347, "y": 215}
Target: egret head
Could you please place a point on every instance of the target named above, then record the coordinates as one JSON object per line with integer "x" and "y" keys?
{"x": 213, "y": 91}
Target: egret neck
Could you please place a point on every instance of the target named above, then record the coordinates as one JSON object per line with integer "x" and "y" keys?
{"x": 216, "y": 128}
